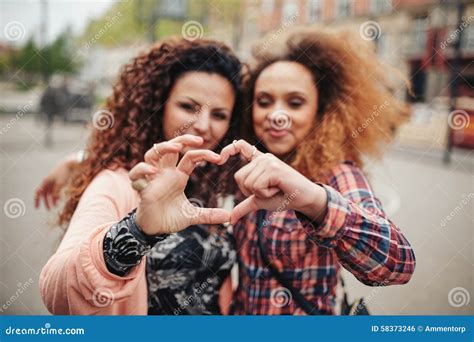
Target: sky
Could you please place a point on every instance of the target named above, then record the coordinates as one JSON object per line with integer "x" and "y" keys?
{"x": 20, "y": 19}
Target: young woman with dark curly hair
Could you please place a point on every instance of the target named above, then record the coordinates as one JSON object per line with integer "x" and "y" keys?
{"x": 177, "y": 96}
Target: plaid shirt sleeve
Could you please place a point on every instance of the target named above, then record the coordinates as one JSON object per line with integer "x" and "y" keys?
{"x": 366, "y": 242}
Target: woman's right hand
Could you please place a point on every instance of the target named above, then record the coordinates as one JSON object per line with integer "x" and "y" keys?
{"x": 164, "y": 208}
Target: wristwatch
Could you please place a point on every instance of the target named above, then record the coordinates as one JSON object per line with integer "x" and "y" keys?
{"x": 125, "y": 244}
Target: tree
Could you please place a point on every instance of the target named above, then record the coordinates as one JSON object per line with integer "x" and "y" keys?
{"x": 60, "y": 56}
{"x": 27, "y": 58}
{"x": 27, "y": 61}
{"x": 32, "y": 63}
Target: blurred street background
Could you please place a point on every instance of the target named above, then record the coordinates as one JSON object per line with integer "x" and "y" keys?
{"x": 58, "y": 60}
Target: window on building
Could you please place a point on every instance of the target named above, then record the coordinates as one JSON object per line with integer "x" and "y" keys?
{"x": 173, "y": 8}
{"x": 418, "y": 81}
{"x": 267, "y": 6}
{"x": 314, "y": 11}
{"x": 382, "y": 46}
{"x": 343, "y": 8}
{"x": 289, "y": 10}
{"x": 418, "y": 43}
{"x": 467, "y": 40}
{"x": 380, "y": 6}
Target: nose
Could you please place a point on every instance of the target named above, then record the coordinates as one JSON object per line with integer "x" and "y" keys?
{"x": 202, "y": 122}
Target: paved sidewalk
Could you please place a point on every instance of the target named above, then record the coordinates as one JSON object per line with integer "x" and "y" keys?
{"x": 423, "y": 196}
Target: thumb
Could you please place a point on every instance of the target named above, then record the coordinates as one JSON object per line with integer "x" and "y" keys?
{"x": 243, "y": 208}
{"x": 211, "y": 216}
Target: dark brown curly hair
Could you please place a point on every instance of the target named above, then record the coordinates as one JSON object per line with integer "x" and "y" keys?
{"x": 131, "y": 121}
{"x": 357, "y": 109}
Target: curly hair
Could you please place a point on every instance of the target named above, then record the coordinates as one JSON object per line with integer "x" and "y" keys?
{"x": 357, "y": 108}
{"x": 136, "y": 113}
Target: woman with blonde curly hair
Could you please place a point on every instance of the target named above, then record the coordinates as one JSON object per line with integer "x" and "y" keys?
{"x": 319, "y": 105}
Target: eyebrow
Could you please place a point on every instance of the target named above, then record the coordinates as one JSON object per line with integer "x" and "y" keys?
{"x": 300, "y": 93}
{"x": 193, "y": 101}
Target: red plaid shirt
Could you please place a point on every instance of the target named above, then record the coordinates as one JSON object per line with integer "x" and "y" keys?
{"x": 355, "y": 233}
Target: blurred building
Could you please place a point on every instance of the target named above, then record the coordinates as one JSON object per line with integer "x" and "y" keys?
{"x": 416, "y": 36}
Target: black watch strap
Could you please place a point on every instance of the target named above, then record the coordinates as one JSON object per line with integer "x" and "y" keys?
{"x": 125, "y": 244}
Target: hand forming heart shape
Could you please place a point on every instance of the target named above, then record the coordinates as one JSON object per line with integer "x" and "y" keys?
{"x": 161, "y": 180}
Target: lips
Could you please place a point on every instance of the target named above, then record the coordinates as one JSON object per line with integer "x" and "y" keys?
{"x": 277, "y": 133}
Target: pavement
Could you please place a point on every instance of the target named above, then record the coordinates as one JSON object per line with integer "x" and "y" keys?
{"x": 431, "y": 202}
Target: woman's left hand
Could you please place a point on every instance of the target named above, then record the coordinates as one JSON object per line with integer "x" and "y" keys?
{"x": 50, "y": 188}
{"x": 271, "y": 184}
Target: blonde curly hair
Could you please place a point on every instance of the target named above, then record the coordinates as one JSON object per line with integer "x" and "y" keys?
{"x": 358, "y": 110}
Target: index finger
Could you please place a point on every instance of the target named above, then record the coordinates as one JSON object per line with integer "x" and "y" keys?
{"x": 159, "y": 150}
{"x": 239, "y": 147}
{"x": 189, "y": 162}
{"x": 243, "y": 208}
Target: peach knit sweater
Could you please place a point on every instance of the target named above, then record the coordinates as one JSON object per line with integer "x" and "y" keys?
{"x": 75, "y": 281}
